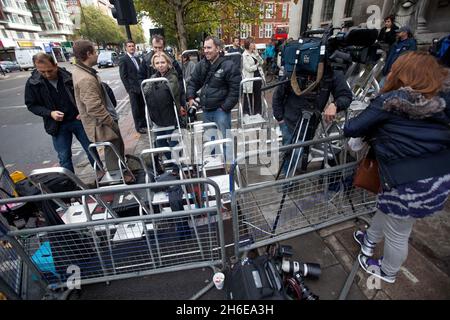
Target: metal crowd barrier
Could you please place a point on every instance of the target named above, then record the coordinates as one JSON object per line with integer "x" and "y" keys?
{"x": 271, "y": 211}
{"x": 110, "y": 249}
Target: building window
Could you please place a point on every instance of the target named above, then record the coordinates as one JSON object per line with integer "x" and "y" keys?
{"x": 261, "y": 11}
{"x": 7, "y": 3}
{"x": 284, "y": 12}
{"x": 5, "y": 35}
{"x": 268, "y": 31}
{"x": 348, "y": 8}
{"x": 261, "y": 31}
{"x": 20, "y": 35}
{"x": 327, "y": 10}
{"x": 269, "y": 10}
{"x": 246, "y": 31}
{"x": 32, "y": 35}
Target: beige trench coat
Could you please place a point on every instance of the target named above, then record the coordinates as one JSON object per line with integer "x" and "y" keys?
{"x": 91, "y": 104}
{"x": 249, "y": 67}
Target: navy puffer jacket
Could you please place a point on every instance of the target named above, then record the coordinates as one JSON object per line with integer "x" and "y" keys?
{"x": 409, "y": 134}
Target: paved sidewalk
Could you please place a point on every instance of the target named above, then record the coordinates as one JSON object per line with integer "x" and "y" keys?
{"x": 425, "y": 274}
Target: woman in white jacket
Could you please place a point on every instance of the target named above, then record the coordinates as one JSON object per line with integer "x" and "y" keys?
{"x": 252, "y": 67}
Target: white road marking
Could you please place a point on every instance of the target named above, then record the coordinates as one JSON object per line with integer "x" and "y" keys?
{"x": 14, "y": 107}
{"x": 409, "y": 275}
{"x": 4, "y": 126}
{"x": 76, "y": 154}
{"x": 9, "y": 165}
{"x": 11, "y": 89}
{"x": 28, "y": 124}
{"x": 46, "y": 161}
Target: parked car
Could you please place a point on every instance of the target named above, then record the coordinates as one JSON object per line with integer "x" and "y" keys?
{"x": 107, "y": 59}
{"x": 9, "y": 66}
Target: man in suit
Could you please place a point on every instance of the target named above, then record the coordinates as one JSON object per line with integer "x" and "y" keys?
{"x": 129, "y": 68}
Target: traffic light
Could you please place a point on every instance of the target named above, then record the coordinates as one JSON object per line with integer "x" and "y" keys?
{"x": 124, "y": 11}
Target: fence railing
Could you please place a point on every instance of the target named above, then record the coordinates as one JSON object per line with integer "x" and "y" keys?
{"x": 274, "y": 210}
{"x": 111, "y": 249}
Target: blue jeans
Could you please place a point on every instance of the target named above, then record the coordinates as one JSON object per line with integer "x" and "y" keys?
{"x": 165, "y": 142}
{"x": 287, "y": 139}
{"x": 62, "y": 143}
{"x": 223, "y": 122}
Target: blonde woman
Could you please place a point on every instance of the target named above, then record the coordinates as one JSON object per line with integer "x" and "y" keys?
{"x": 160, "y": 99}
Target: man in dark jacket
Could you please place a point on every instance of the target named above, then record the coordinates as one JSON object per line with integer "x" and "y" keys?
{"x": 129, "y": 67}
{"x": 288, "y": 107}
{"x": 49, "y": 94}
{"x": 405, "y": 43}
{"x": 219, "y": 80}
{"x": 147, "y": 70}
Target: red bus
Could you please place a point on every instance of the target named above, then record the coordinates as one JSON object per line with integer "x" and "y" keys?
{"x": 281, "y": 32}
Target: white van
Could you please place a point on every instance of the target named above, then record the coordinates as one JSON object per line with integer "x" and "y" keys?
{"x": 24, "y": 57}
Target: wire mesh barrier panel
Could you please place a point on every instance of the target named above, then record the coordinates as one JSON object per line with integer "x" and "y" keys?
{"x": 10, "y": 270}
{"x": 279, "y": 209}
{"x": 103, "y": 249}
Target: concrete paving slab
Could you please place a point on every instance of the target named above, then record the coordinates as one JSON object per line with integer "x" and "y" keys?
{"x": 325, "y": 232}
{"x": 437, "y": 246}
{"x": 418, "y": 279}
{"x": 311, "y": 248}
{"x": 180, "y": 285}
{"x": 330, "y": 284}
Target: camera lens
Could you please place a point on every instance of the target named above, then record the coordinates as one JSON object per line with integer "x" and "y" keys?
{"x": 311, "y": 270}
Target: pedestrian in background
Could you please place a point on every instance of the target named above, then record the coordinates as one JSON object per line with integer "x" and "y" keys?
{"x": 99, "y": 119}
{"x": 405, "y": 42}
{"x": 388, "y": 33}
{"x": 188, "y": 67}
{"x": 236, "y": 46}
{"x": 407, "y": 127}
{"x": 251, "y": 68}
{"x": 49, "y": 94}
{"x": 129, "y": 66}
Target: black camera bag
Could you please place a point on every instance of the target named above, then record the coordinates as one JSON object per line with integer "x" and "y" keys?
{"x": 256, "y": 279}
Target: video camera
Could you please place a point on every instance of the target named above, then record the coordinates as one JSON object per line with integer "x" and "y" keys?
{"x": 336, "y": 51}
{"x": 358, "y": 45}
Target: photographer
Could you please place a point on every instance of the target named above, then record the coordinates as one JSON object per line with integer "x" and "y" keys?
{"x": 288, "y": 106}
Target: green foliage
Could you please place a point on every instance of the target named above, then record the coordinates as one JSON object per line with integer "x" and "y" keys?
{"x": 198, "y": 17}
{"x": 99, "y": 27}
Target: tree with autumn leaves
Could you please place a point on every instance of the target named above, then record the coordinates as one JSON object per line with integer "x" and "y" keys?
{"x": 184, "y": 19}
{"x": 102, "y": 29}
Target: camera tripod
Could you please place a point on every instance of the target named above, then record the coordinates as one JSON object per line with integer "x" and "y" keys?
{"x": 302, "y": 132}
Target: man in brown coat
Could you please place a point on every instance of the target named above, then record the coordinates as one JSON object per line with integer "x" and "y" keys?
{"x": 99, "y": 118}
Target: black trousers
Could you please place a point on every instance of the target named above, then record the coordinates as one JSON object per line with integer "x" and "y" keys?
{"x": 254, "y": 98}
{"x": 138, "y": 110}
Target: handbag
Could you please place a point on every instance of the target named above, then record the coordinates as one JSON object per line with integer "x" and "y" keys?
{"x": 367, "y": 175}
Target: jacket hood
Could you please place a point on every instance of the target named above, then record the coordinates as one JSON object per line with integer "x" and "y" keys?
{"x": 37, "y": 78}
{"x": 414, "y": 105}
